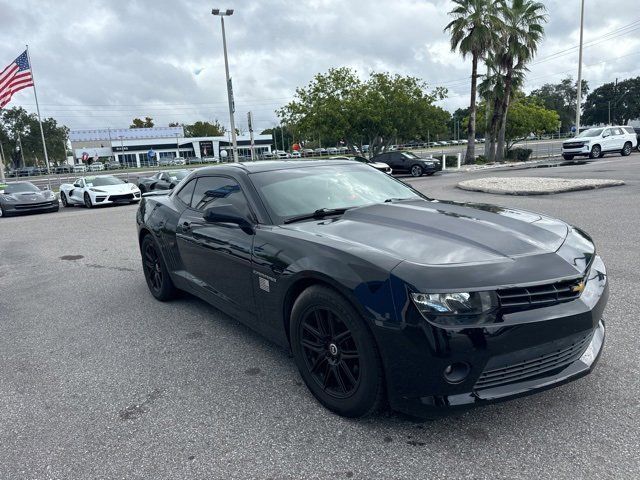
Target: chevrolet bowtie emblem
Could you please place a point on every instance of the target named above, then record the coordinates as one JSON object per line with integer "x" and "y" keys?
{"x": 578, "y": 288}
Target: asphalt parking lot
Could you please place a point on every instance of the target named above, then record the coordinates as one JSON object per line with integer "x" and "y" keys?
{"x": 99, "y": 380}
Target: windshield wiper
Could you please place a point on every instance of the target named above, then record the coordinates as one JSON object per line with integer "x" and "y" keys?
{"x": 393, "y": 200}
{"x": 320, "y": 213}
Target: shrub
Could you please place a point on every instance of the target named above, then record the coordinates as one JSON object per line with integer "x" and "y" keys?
{"x": 519, "y": 154}
{"x": 481, "y": 160}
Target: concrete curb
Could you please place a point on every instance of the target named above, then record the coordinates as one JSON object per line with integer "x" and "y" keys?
{"x": 548, "y": 186}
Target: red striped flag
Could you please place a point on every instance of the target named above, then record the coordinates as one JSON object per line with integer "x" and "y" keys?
{"x": 14, "y": 78}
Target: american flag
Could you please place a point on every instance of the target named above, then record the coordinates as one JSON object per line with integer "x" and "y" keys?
{"x": 14, "y": 78}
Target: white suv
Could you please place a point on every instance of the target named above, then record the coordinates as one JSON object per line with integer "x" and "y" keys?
{"x": 595, "y": 142}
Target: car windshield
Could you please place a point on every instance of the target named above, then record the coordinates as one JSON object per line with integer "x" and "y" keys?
{"x": 22, "y": 187}
{"x": 177, "y": 174}
{"x": 300, "y": 191}
{"x": 409, "y": 155}
{"x": 103, "y": 181}
{"x": 592, "y": 132}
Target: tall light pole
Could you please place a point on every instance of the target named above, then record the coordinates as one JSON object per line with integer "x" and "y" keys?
{"x": 227, "y": 13}
{"x": 579, "y": 96}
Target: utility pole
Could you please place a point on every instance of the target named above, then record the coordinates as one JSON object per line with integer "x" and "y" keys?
{"x": 579, "y": 96}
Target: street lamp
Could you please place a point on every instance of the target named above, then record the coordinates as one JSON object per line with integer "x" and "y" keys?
{"x": 222, "y": 14}
{"x": 579, "y": 89}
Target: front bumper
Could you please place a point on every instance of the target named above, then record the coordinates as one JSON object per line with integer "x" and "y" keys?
{"x": 576, "y": 151}
{"x": 117, "y": 198}
{"x": 41, "y": 207}
{"x": 526, "y": 352}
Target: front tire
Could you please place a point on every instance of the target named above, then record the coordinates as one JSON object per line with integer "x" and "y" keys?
{"x": 336, "y": 354}
{"x": 626, "y": 151}
{"x": 596, "y": 152}
{"x": 87, "y": 200}
{"x": 155, "y": 271}
{"x": 63, "y": 199}
{"x": 416, "y": 171}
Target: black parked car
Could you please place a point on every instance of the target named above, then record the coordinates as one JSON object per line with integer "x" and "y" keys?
{"x": 380, "y": 292}
{"x": 408, "y": 162}
{"x": 166, "y": 180}
{"x": 25, "y": 197}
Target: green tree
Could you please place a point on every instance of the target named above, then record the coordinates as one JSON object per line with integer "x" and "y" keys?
{"x": 526, "y": 116}
{"x": 613, "y": 103}
{"x": 337, "y": 105}
{"x": 561, "y": 97}
{"x": 473, "y": 32}
{"x": 18, "y": 127}
{"x": 522, "y": 32}
{"x": 138, "y": 123}
{"x": 205, "y": 129}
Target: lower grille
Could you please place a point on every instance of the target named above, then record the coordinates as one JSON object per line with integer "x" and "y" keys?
{"x": 523, "y": 298}
{"x": 115, "y": 198}
{"x": 28, "y": 206}
{"x": 533, "y": 367}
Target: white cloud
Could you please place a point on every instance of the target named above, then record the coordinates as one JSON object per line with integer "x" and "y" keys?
{"x": 100, "y": 63}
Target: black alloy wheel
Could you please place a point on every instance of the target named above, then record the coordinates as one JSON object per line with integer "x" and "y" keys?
{"x": 155, "y": 271}
{"x": 626, "y": 151}
{"x": 596, "y": 152}
{"x": 330, "y": 353}
{"x": 87, "y": 201}
{"x": 335, "y": 352}
{"x": 63, "y": 198}
{"x": 416, "y": 171}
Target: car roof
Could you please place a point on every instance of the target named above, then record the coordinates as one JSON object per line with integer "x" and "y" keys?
{"x": 270, "y": 165}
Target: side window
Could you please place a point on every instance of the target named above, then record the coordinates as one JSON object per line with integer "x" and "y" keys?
{"x": 212, "y": 191}
{"x": 186, "y": 192}
{"x": 617, "y": 131}
{"x": 606, "y": 133}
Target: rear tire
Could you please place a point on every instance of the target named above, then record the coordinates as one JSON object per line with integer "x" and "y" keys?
{"x": 155, "y": 271}
{"x": 596, "y": 152}
{"x": 626, "y": 150}
{"x": 416, "y": 171}
{"x": 336, "y": 353}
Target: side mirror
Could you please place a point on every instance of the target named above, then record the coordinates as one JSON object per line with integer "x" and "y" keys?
{"x": 126, "y": 181}
{"x": 228, "y": 214}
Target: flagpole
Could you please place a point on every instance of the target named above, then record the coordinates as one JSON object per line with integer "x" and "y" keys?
{"x": 35, "y": 94}
{"x": 1, "y": 157}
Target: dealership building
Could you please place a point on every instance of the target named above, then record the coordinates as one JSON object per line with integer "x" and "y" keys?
{"x": 141, "y": 146}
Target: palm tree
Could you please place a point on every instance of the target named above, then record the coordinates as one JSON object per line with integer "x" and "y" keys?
{"x": 473, "y": 33}
{"x": 522, "y": 24}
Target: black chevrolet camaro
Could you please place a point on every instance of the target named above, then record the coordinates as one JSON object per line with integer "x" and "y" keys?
{"x": 382, "y": 295}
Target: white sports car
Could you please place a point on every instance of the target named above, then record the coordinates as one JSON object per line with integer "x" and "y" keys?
{"x": 98, "y": 190}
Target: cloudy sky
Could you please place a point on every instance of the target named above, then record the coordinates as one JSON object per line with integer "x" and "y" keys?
{"x": 100, "y": 63}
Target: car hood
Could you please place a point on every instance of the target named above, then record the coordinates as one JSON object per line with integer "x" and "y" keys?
{"x": 31, "y": 197}
{"x": 439, "y": 245}
{"x": 113, "y": 189}
{"x": 443, "y": 233}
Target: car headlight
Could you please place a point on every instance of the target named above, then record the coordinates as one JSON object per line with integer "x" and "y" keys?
{"x": 460, "y": 308}
{"x": 97, "y": 190}
{"x": 133, "y": 187}
{"x": 8, "y": 198}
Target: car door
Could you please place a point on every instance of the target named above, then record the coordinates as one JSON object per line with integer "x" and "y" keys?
{"x": 607, "y": 140}
{"x": 77, "y": 193}
{"x": 218, "y": 255}
{"x": 617, "y": 136}
{"x": 162, "y": 181}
